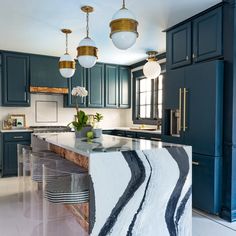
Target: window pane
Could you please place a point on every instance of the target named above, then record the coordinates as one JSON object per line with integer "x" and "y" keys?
{"x": 160, "y": 111}
{"x": 142, "y": 98}
{"x": 148, "y": 85}
{"x": 148, "y": 97}
{"x": 142, "y": 85}
{"x": 160, "y": 82}
{"x": 159, "y": 96}
{"x": 142, "y": 111}
{"x": 148, "y": 111}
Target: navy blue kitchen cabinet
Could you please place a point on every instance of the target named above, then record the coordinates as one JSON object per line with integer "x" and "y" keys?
{"x": 200, "y": 109}
{"x": 111, "y": 85}
{"x": 9, "y": 152}
{"x": 124, "y": 87}
{"x": 15, "y": 79}
{"x": 207, "y": 177}
{"x": 44, "y": 72}
{"x": 96, "y": 86}
{"x": 207, "y": 36}
{"x": 179, "y": 46}
{"x": 78, "y": 79}
{"x": 195, "y": 40}
{"x": 199, "y": 105}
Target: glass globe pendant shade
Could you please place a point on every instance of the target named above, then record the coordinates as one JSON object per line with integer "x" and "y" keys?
{"x": 66, "y": 66}
{"x": 87, "y": 53}
{"x": 152, "y": 69}
{"x": 123, "y": 29}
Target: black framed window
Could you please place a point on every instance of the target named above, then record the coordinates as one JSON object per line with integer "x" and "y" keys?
{"x": 147, "y": 99}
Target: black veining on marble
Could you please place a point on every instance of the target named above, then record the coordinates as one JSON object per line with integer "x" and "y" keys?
{"x": 182, "y": 160}
{"x": 137, "y": 178}
{"x": 129, "y": 233}
{"x": 92, "y": 206}
{"x": 182, "y": 205}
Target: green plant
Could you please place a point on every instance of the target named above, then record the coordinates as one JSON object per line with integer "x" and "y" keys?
{"x": 98, "y": 117}
{"x": 80, "y": 120}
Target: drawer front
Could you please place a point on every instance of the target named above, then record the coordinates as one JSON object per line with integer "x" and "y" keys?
{"x": 119, "y": 133}
{"x": 17, "y": 136}
{"x": 206, "y": 183}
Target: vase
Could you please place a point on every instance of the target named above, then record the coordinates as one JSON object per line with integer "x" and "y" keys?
{"x": 83, "y": 132}
{"x": 97, "y": 133}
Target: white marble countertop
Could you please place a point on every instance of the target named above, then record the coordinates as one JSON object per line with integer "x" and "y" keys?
{"x": 15, "y": 130}
{"x": 107, "y": 143}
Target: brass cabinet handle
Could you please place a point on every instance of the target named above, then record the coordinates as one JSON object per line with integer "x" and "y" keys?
{"x": 187, "y": 58}
{"x": 18, "y": 137}
{"x": 193, "y": 56}
{"x": 180, "y": 107}
{"x": 195, "y": 163}
{"x": 184, "y": 112}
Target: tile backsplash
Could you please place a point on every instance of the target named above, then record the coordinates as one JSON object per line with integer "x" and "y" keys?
{"x": 49, "y": 110}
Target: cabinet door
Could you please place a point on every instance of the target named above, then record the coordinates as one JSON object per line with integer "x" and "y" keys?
{"x": 10, "y": 158}
{"x": 179, "y": 46}
{"x": 15, "y": 89}
{"x": 79, "y": 79}
{"x": 111, "y": 85}
{"x": 207, "y": 36}
{"x": 96, "y": 86}
{"x": 204, "y": 98}
{"x": 207, "y": 174}
{"x": 44, "y": 72}
{"x": 124, "y": 87}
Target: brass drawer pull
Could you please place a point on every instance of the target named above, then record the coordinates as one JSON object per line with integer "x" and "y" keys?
{"x": 184, "y": 112}
{"x": 18, "y": 137}
{"x": 195, "y": 163}
{"x": 156, "y": 139}
{"x": 180, "y": 107}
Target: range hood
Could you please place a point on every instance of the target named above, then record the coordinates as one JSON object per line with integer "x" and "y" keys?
{"x": 48, "y": 90}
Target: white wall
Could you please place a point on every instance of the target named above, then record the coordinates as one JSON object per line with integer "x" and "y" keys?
{"x": 112, "y": 117}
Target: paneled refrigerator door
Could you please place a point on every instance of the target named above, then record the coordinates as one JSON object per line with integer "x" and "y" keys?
{"x": 202, "y": 107}
{"x": 172, "y": 130}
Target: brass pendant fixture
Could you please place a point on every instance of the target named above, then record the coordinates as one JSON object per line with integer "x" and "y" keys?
{"x": 123, "y": 28}
{"x": 66, "y": 63}
{"x": 87, "y": 50}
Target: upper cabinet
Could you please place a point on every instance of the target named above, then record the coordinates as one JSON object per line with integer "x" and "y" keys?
{"x": 44, "y": 72}
{"x": 124, "y": 86}
{"x": 96, "y": 86}
{"x": 78, "y": 79}
{"x": 207, "y": 36}
{"x": 15, "y": 79}
{"x": 179, "y": 46}
{"x": 111, "y": 85}
{"x": 197, "y": 40}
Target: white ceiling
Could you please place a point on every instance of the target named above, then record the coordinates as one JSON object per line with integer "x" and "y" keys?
{"x": 34, "y": 25}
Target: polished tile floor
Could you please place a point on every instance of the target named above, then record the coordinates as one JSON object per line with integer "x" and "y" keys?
{"x": 19, "y": 218}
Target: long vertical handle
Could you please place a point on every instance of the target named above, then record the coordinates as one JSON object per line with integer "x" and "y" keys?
{"x": 180, "y": 107}
{"x": 184, "y": 112}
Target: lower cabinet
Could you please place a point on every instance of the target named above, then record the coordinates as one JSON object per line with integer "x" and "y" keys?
{"x": 207, "y": 173}
{"x": 9, "y": 152}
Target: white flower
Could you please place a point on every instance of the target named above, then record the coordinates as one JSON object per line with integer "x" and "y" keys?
{"x": 79, "y": 91}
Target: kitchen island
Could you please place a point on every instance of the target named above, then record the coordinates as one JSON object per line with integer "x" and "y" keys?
{"x": 138, "y": 187}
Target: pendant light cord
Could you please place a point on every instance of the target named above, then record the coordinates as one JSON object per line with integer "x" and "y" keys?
{"x": 123, "y": 5}
{"x": 87, "y": 26}
{"x": 66, "y": 43}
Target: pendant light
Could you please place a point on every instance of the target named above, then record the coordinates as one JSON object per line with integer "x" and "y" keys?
{"x": 123, "y": 28}
{"x": 66, "y": 63}
{"x": 87, "y": 51}
{"x": 152, "y": 68}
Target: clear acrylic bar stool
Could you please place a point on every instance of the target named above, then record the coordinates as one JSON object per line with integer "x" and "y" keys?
{"x": 64, "y": 185}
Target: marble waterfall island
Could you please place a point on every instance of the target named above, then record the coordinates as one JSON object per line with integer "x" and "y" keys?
{"x": 138, "y": 187}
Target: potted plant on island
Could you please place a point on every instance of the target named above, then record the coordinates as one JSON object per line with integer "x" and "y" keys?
{"x": 97, "y": 131}
{"x": 80, "y": 124}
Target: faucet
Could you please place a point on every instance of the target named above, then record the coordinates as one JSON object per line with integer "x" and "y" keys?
{"x": 158, "y": 124}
